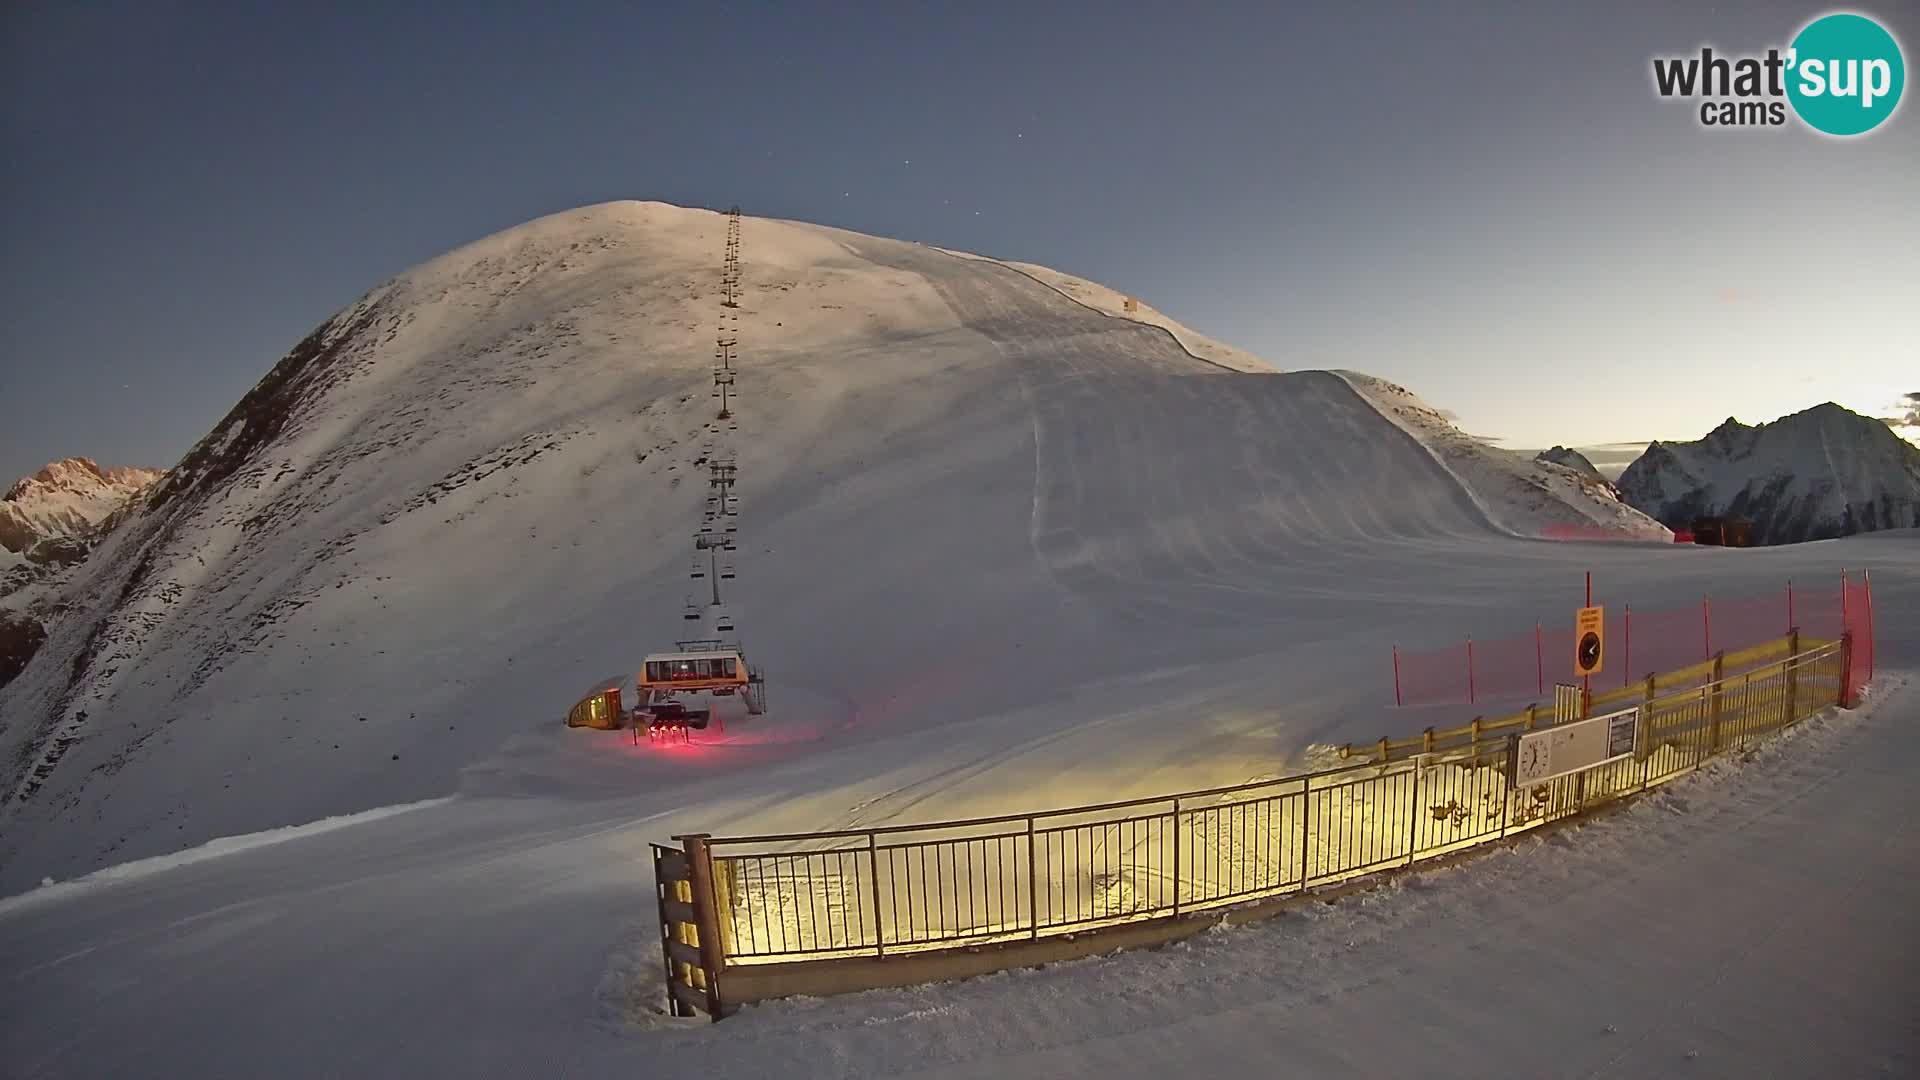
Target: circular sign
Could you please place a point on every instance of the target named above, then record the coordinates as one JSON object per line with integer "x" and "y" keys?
{"x": 1589, "y": 651}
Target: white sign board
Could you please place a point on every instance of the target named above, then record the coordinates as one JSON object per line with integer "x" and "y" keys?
{"x": 1565, "y": 749}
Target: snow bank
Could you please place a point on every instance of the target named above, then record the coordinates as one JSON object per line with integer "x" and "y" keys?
{"x": 51, "y": 890}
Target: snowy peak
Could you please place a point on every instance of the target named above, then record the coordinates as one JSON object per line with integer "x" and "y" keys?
{"x": 67, "y": 499}
{"x": 1572, "y": 459}
{"x": 1816, "y": 474}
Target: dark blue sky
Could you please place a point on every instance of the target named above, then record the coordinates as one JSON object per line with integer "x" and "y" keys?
{"x": 1486, "y": 202}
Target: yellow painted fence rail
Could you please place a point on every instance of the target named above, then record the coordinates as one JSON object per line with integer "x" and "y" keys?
{"x": 746, "y": 919}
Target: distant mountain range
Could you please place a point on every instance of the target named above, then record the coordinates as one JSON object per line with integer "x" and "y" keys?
{"x": 1820, "y": 473}
{"x": 49, "y": 521}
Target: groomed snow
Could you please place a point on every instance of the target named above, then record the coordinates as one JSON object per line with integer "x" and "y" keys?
{"x": 1756, "y": 919}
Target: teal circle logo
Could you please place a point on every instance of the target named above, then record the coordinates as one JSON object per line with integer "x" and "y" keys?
{"x": 1844, "y": 74}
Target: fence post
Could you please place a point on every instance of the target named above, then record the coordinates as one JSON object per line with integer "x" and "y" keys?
{"x": 1706, "y": 623}
{"x": 1873, "y": 648}
{"x": 1533, "y": 715}
{"x": 1470, "y": 694}
{"x": 1306, "y": 834}
{"x": 1473, "y": 733}
{"x": 1793, "y": 676}
{"x": 1033, "y": 880}
{"x": 1847, "y": 700}
{"x": 1626, "y": 660}
{"x": 1790, "y": 622}
{"x": 1176, "y": 855}
{"x": 675, "y": 1006}
{"x": 1646, "y": 712}
{"x": 1385, "y": 750}
{"x": 1396, "y": 677}
{"x": 1506, "y": 789}
{"x": 1426, "y": 740}
{"x": 1413, "y": 809}
{"x": 873, "y": 874}
{"x": 707, "y": 918}
{"x": 1713, "y": 708}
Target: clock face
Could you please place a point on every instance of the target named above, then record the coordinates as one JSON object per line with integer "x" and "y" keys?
{"x": 1589, "y": 651}
{"x": 1533, "y": 759}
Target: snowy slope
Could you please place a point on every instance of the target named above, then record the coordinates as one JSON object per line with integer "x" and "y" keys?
{"x": 1813, "y": 475}
{"x": 971, "y": 505}
{"x": 1112, "y": 302}
{"x": 1526, "y": 496}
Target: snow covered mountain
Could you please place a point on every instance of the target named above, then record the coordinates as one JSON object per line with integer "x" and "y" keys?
{"x": 1572, "y": 459}
{"x": 49, "y": 521}
{"x": 1813, "y": 475}
{"x": 974, "y": 497}
{"x": 1569, "y": 458}
{"x": 67, "y": 499}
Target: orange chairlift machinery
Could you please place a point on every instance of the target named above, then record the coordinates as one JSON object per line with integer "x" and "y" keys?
{"x": 708, "y": 666}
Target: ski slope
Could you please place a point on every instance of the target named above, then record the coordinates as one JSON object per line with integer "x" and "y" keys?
{"x": 1000, "y": 550}
{"x": 1758, "y": 919}
{"x": 972, "y": 504}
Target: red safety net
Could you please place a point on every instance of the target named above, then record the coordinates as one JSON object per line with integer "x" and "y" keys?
{"x": 1433, "y": 677}
{"x": 1639, "y": 643}
{"x": 1856, "y": 602}
{"x": 1597, "y": 533}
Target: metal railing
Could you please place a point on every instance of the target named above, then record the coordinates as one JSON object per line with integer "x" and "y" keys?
{"x": 913, "y": 888}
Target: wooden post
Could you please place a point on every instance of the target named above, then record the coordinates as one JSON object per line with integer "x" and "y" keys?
{"x": 1426, "y": 741}
{"x": 675, "y": 1007}
{"x": 1473, "y": 732}
{"x": 1793, "y": 676}
{"x": 712, "y": 959}
{"x": 1384, "y": 752}
{"x": 1533, "y": 716}
{"x": 1713, "y": 708}
{"x": 1846, "y": 670}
